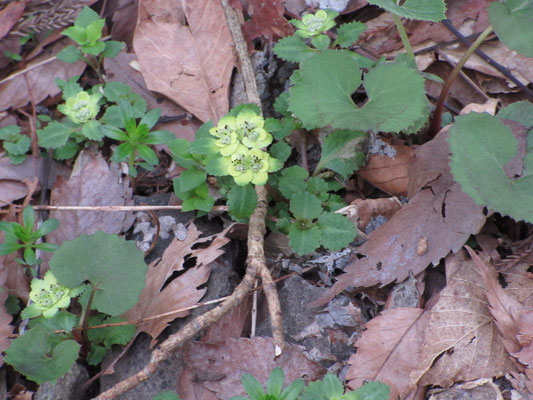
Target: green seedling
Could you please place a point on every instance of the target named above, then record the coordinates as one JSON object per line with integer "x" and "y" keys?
{"x": 15, "y": 144}
{"x": 136, "y": 138}
{"x": 87, "y": 33}
{"x": 24, "y": 237}
{"x": 331, "y": 388}
{"x": 274, "y": 387}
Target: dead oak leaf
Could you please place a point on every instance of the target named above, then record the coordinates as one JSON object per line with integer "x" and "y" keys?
{"x": 183, "y": 291}
{"x": 186, "y": 53}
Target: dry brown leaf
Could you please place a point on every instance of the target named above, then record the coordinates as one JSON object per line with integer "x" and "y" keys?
{"x": 520, "y": 284}
{"x": 182, "y": 291}
{"x": 41, "y": 79}
{"x": 365, "y": 209}
{"x": 219, "y": 367}
{"x": 388, "y": 350}
{"x": 441, "y": 213}
{"x": 185, "y": 52}
{"x": 9, "y": 16}
{"x": 462, "y": 342}
{"x": 11, "y": 176}
{"x": 267, "y": 21}
{"x": 92, "y": 183}
{"x": 232, "y": 324}
{"x": 119, "y": 69}
{"x": 6, "y": 328}
{"x": 389, "y": 174}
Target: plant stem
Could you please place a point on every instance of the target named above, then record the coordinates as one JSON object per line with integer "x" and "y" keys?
{"x": 403, "y": 36}
{"x": 437, "y": 114}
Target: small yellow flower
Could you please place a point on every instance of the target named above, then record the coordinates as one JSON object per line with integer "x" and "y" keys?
{"x": 250, "y": 130}
{"x": 249, "y": 165}
{"x": 81, "y": 108}
{"x": 48, "y": 296}
{"x": 314, "y": 24}
{"x": 227, "y": 138}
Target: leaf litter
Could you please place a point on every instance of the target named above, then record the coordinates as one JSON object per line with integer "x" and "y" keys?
{"x": 472, "y": 328}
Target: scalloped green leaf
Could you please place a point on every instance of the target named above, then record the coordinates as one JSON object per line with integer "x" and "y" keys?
{"x": 242, "y": 201}
{"x": 305, "y": 206}
{"x": 373, "y": 391}
{"x": 293, "y": 49}
{"x": 337, "y": 231}
{"x": 481, "y": 145}
{"x": 113, "y": 266}
{"x": 424, "y": 10}
{"x": 321, "y": 95}
{"x": 348, "y": 34}
{"x": 54, "y": 135}
{"x": 520, "y": 111}
{"x": 341, "y": 153}
{"x": 304, "y": 241}
{"x": 512, "y": 21}
{"x": 35, "y": 355}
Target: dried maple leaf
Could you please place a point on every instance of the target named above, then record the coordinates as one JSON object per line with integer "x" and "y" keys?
{"x": 462, "y": 341}
{"x": 92, "y": 183}
{"x": 182, "y": 291}
{"x": 267, "y": 21}
{"x": 186, "y": 53}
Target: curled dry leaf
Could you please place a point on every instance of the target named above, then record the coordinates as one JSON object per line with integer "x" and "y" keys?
{"x": 186, "y": 53}
{"x": 182, "y": 291}
{"x": 389, "y": 173}
{"x": 440, "y": 212}
{"x": 361, "y": 211}
{"x": 92, "y": 183}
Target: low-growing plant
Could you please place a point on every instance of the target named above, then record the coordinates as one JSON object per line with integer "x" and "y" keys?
{"x": 14, "y": 143}
{"x": 329, "y": 388}
{"x": 87, "y": 33}
{"x": 106, "y": 275}
{"x": 25, "y": 237}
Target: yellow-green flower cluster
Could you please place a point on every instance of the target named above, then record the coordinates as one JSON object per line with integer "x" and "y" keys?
{"x": 314, "y": 24}
{"x": 47, "y": 297}
{"x": 81, "y": 108}
{"x": 240, "y": 140}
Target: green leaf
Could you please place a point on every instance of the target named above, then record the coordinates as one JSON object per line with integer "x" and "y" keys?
{"x": 69, "y": 54}
{"x": 373, "y": 391}
{"x": 147, "y": 154}
{"x": 281, "y": 104}
{"x": 424, "y": 10}
{"x": 111, "y": 335}
{"x": 114, "y": 267}
{"x": 150, "y": 118}
{"x": 304, "y": 241}
{"x": 46, "y": 227}
{"x": 293, "y": 49}
{"x": 114, "y": 133}
{"x": 340, "y": 152}
{"x": 19, "y": 147}
{"x": 292, "y": 181}
{"x": 191, "y": 178}
{"x": 166, "y": 395}
{"x": 520, "y": 111}
{"x": 292, "y": 391}
{"x": 86, "y": 17}
{"x": 204, "y": 146}
{"x": 321, "y": 42}
{"x": 122, "y": 152}
{"x": 275, "y": 382}
{"x": 512, "y": 21}
{"x": 32, "y": 355}
{"x": 8, "y": 248}
{"x": 94, "y": 32}
{"x": 54, "y": 135}
{"x": 481, "y": 146}
{"x": 242, "y": 201}
{"x": 217, "y": 166}
{"x": 91, "y": 130}
{"x": 179, "y": 150}
{"x": 252, "y": 387}
{"x": 348, "y": 34}
{"x": 96, "y": 355}
{"x": 158, "y": 137}
{"x": 281, "y": 151}
{"x": 203, "y": 204}
{"x": 332, "y": 386}
{"x": 28, "y": 218}
{"x": 112, "y": 48}
{"x": 76, "y": 33}
{"x": 68, "y": 150}
{"x": 116, "y": 91}
{"x": 318, "y": 187}
{"x": 9, "y": 132}
{"x": 305, "y": 206}
{"x": 321, "y": 90}
{"x": 337, "y": 231}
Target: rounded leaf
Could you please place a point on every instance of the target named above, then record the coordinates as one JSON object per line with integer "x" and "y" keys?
{"x": 113, "y": 266}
